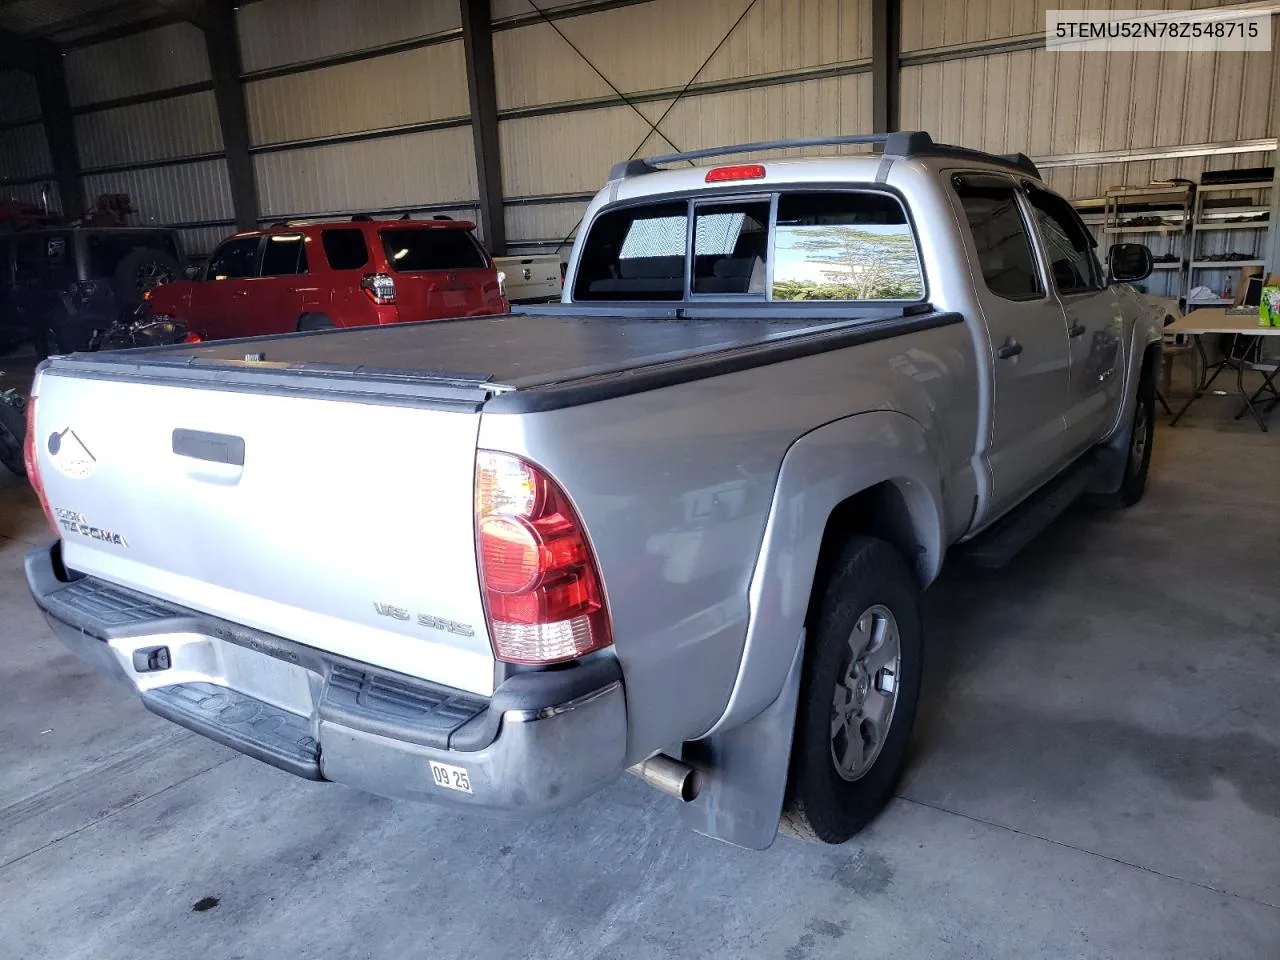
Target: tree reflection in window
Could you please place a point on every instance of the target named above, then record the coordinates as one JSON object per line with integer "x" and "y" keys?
{"x": 844, "y": 245}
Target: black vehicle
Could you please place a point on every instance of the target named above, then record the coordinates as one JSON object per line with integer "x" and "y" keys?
{"x": 59, "y": 285}
{"x": 13, "y": 429}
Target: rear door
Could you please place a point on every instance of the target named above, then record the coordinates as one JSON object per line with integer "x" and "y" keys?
{"x": 1095, "y": 321}
{"x": 1027, "y": 338}
{"x": 279, "y": 294}
{"x": 218, "y": 308}
{"x": 439, "y": 272}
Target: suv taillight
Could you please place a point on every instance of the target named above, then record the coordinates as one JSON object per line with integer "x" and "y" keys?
{"x": 541, "y": 584}
{"x": 32, "y": 463}
{"x": 381, "y": 287}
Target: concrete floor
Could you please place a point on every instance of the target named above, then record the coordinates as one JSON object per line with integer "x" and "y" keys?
{"x": 1096, "y": 774}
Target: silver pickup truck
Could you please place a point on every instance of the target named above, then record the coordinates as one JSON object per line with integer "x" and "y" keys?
{"x": 677, "y": 524}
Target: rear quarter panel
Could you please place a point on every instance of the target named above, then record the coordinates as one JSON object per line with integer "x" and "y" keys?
{"x": 676, "y": 485}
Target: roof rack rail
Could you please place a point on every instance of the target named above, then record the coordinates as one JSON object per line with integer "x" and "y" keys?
{"x": 905, "y": 143}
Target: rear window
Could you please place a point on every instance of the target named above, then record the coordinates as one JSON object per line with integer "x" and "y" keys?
{"x": 106, "y": 250}
{"x": 636, "y": 253}
{"x": 432, "y": 249}
{"x": 851, "y": 245}
{"x": 844, "y": 246}
{"x": 345, "y": 248}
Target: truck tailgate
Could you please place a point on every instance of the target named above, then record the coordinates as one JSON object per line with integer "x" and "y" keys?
{"x": 346, "y": 526}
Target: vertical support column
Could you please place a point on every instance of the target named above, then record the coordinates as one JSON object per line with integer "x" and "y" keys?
{"x": 59, "y": 129}
{"x": 477, "y": 44}
{"x": 885, "y": 76}
{"x": 223, "y": 46}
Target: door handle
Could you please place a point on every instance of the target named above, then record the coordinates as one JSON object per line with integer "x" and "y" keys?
{"x": 1077, "y": 329}
{"x": 1010, "y": 348}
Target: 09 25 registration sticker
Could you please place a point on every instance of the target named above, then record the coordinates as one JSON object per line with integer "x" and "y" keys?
{"x": 450, "y": 777}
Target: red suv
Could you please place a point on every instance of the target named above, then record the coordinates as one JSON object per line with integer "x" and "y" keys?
{"x": 357, "y": 273}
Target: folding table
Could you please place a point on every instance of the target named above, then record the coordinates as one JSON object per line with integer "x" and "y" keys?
{"x": 1196, "y": 325}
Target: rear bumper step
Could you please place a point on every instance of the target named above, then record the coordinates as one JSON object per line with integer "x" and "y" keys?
{"x": 541, "y": 742}
{"x": 253, "y": 727}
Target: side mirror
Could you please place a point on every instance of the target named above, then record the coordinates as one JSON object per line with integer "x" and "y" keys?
{"x": 1128, "y": 262}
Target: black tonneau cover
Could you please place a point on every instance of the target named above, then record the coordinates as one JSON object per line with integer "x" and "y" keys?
{"x": 541, "y": 359}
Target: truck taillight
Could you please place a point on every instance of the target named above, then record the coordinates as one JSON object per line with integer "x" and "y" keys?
{"x": 541, "y": 584}
{"x": 32, "y": 463}
{"x": 380, "y": 287}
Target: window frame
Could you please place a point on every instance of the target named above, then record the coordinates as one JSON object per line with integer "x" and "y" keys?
{"x": 1027, "y": 186}
{"x": 213, "y": 258}
{"x": 302, "y": 255}
{"x": 1017, "y": 190}
{"x": 369, "y": 248}
{"x": 691, "y": 254}
{"x": 736, "y": 193}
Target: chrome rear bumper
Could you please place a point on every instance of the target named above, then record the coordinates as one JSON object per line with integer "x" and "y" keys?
{"x": 541, "y": 742}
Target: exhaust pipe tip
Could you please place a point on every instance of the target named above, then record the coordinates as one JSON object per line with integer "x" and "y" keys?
{"x": 673, "y": 777}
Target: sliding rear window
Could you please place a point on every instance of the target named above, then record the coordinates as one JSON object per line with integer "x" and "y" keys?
{"x": 852, "y": 246}
{"x": 636, "y": 253}
{"x": 410, "y": 250}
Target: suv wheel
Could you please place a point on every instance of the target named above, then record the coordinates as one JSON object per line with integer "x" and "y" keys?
{"x": 142, "y": 270}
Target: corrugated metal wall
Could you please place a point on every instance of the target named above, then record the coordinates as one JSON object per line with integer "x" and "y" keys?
{"x": 163, "y": 152}
{"x": 385, "y": 130}
{"x": 171, "y": 56}
{"x": 274, "y": 33}
{"x": 24, "y": 152}
{"x": 755, "y": 71}
{"x": 1061, "y": 108}
{"x": 362, "y": 105}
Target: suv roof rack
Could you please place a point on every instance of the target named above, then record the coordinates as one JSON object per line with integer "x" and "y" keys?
{"x": 906, "y": 143}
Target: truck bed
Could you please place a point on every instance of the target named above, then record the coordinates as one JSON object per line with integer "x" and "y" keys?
{"x": 539, "y": 359}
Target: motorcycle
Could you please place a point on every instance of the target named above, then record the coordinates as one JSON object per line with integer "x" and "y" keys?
{"x": 13, "y": 430}
{"x": 141, "y": 328}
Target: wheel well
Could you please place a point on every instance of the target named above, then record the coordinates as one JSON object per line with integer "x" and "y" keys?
{"x": 880, "y": 511}
{"x": 315, "y": 316}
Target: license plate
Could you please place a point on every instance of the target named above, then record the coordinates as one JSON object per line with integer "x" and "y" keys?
{"x": 450, "y": 777}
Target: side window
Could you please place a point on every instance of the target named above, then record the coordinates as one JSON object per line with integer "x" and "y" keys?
{"x": 844, "y": 246}
{"x": 1000, "y": 238}
{"x": 285, "y": 255}
{"x": 1067, "y": 244}
{"x": 235, "y": 260}
{"x": 345, "y": 248}
{"x": 730, "y": 246}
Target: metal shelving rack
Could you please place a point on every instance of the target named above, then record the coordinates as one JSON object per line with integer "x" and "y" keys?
{"x": 1172, "y": 205}
{"x": 1218, "y": 232}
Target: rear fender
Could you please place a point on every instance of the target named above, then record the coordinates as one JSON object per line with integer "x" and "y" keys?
{"x": 744, "y": 757}
{"x": 820, "y": 471}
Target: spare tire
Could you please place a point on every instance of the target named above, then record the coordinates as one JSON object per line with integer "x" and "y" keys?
{"x": 141, "y": 269}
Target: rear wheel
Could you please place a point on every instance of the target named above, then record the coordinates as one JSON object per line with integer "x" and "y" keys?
{"x": 858, "y": 693}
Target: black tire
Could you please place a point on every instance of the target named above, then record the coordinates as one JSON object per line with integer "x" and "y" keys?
{"x": 822, "y": 804}
{"x": 1138, "y": 460}
{"x": 13, "y": 429}
{"x": 314, "y": 321}
{"x": 140, "y": 270}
